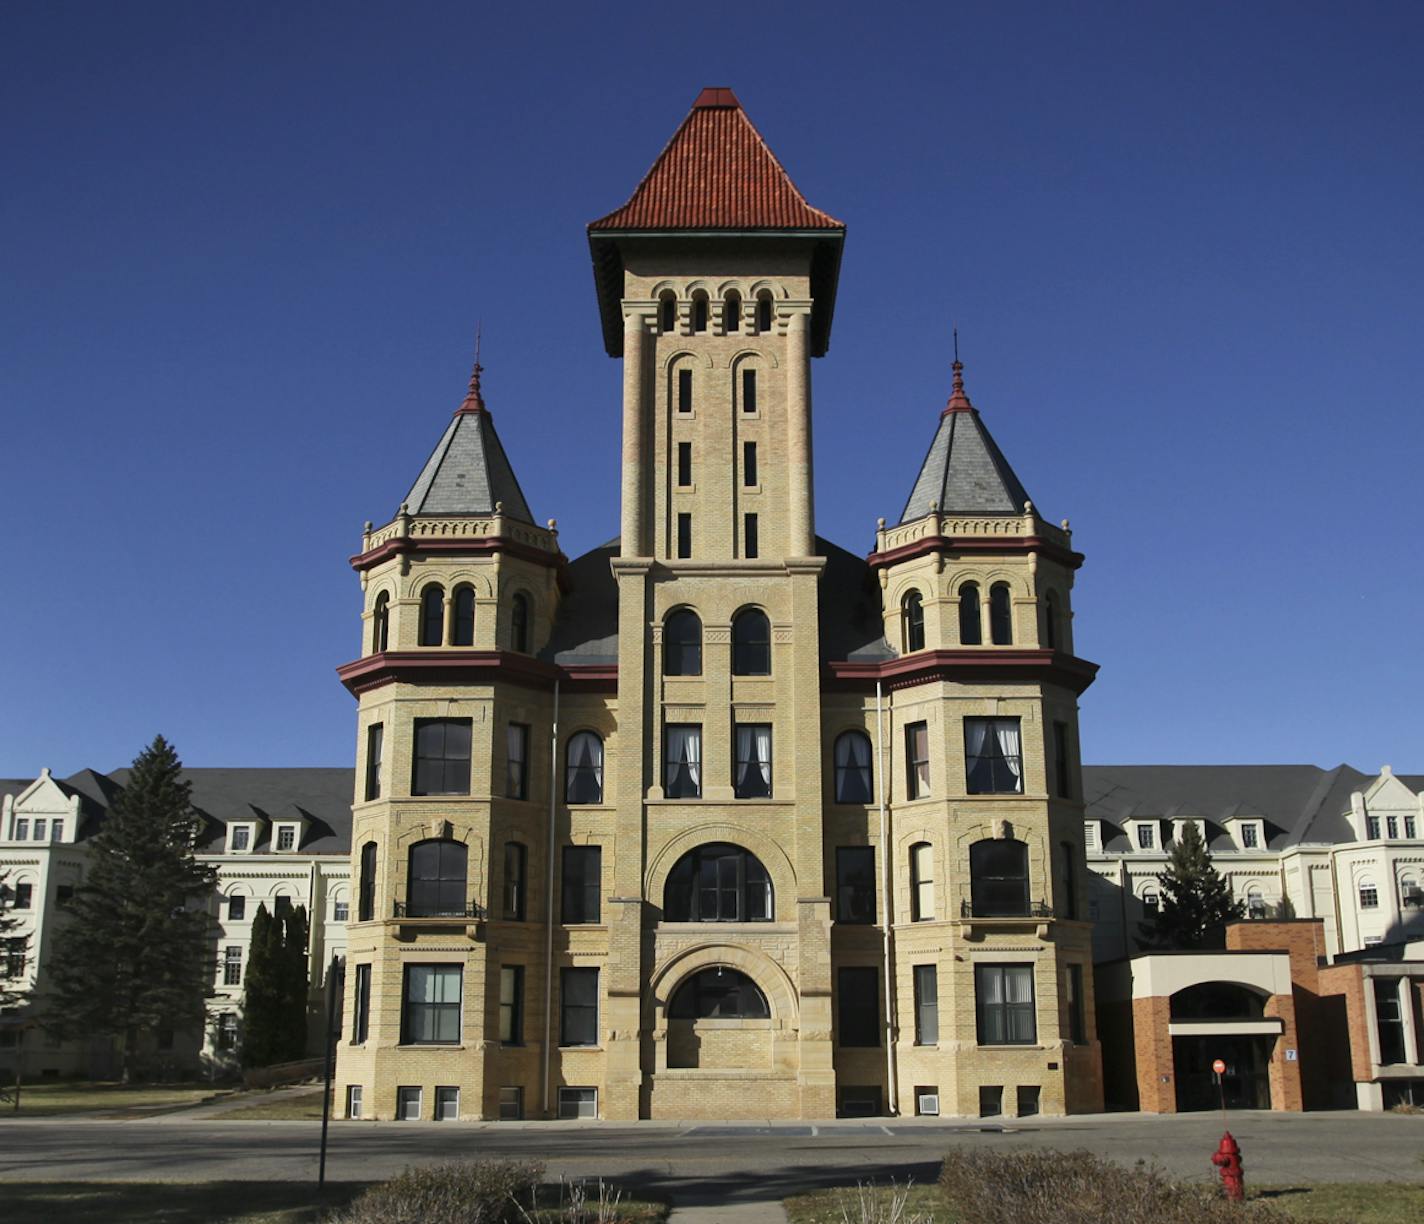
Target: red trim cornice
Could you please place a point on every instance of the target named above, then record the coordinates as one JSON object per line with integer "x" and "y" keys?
{"x": 458, "y": 666}
{"x": 962, "y": 544}
{"x": 454, "y": 547}
{"x": 966, "y": 667}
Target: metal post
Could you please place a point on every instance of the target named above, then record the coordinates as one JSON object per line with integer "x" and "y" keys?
{"x": 333, "y": 985}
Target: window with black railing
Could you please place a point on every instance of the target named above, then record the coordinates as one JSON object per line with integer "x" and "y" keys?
{"x": 437, "y": 884}
{"x": 998, "y": 870}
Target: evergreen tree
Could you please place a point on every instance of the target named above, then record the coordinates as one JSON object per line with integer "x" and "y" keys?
{"x": 132, "y": 955}
{"x": 275, "y": 1022}
{"x": 1196, "y": 902}
{"x": 12, "y": 949}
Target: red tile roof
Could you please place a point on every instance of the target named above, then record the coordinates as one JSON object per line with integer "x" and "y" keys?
{"x": 716, "y": 173}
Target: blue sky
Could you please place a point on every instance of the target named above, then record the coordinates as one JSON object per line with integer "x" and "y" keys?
{"x": 246, "y": 247}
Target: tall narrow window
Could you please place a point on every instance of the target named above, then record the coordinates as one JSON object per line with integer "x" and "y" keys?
{"x": 699, "y": 312}
{"x": 749, "y": 465}
{"x": 578, "y": 1007}
{"x": 684, "y": 390}
{"x": 584, "y": 781}
{"x": 1001, "y": 616}
{"x": 684, "y": 464}
{"x": 1146, "y": 836}
{"x": 375, "y": 746}
{"x": 1070, "y": 880}
{"x": 855, "y": 884}
{"x": 1003, "y": 996}
{"x": 432, "y": 615}
{"x": 442, "y": 757}
{"x": 1389, "y": 1020}
{"x": 1050, "y": 620}
{"x": 519, "y": 624}
{"x": 431, "y": 1015}
{"x": 998, "y": 878}
{"x": 922, "y": 906}
{"x": 763, "y": 312}
{"x": 232, "y": 966}
{"x": 682, "y": 765}
{"x": 1249, "y": 837}
{"x": 684, "y": 536}
{"x": 682, "y": 644}
{"x": 1073, "y": 997}
{"x": 912, "y": 613}
{"x": 853, "y": 771}
{"x": 582, "y": 884}
{"x": 381, "y": 623}
{"x": 438, "y": 871}
{"x": 1061, "y": 767}
{"x": 667, "y": 312}
{"x": 516, "y": 859}
{"x": 464, "y": 626}
{"x": 926, "y": 1005}
{"x": 749, "y": 390}
{"x": 858, "y": 1001}
{"x": 971, "y": 632}
{"x": 361, "y": 1020}
{"x": 751, "y": 643}
{"x": 511, "y": 1005}
{"x": 1369, "y": 894}
{"x": 917, "y": 760}
{"x": 516, "y": 780}
{"x": 992, "y": 756}
{"x": 750, "y": 544}
{"x": 366, "y": 896}
{"x": 732, "y": 313}
{"x": 752, "y": 776}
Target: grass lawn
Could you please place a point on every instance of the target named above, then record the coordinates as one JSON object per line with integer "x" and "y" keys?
{"x": 225, "y": 1202}
{"x": 1357, "y": 1202}
{"x": 298, "y": 1107}
{"x": 44, "y": 1098}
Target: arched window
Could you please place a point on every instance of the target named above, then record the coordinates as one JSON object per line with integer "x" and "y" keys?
{"x": 667, "y": 312}
{"x": 718, "y": 882}
{"x": 682, "y": 644}
{"x": 699, "y": 311}
{"x": 998, "y": 870}
{"x": 366, "y": 897}
{"x": 922, "y": 906}
{"x": 1216, "y": 1001}
{"x": 436, "y": 887}
{"x": 732, "y": 312}
{"x": 1001, "y": 617}
{"x": 1369, "y": 893}
{"x": 432, "y": 615}
{"x": 584, "y": 781}
{"x": 751, "y": 643}
{"x": 464, "y": 634}
{"x": 381, "y": 623}
{"x": 853, "y": 773}
{"x": 1151, "y": 900}
{"x": 519, "y": 624}
{"x": 912, "y": 614}
{"x": 1410, "y": 896}
{"x": 764, "y": 311}
{"x": 1050, "y": 620}
{"x": 718, "y": 994}
{"x": 1255, "y": 902}
{"x": 970, "y": 631}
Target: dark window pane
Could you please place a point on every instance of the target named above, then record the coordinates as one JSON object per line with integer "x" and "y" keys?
{"x": 1004, "y": 1004}
{"x": 578, "y": 1007}
{"x": 764, "y": 313}
{"x": 361, "y": 1023}
{"x": 519, "y": 624}
{"x": 668, "y": 314}
{"x": 684, "y": 463}
{"x": 913, "y": 612}
{"x": 684, "y": 390}
{"x": 926, "y": 1005}
{"x": 1050, "y": 621}
{"x": 682, "y": 764}
{"x": 682, "y": 644}
{"x": 855, "y": 884}
{"x": 1077, "y": 1024}
{"x": 971, "y": 632}
{"x": 718, "y": 883}
{"x": 584, "y": 782}
{"x": 751, "y": 644}
{"x": 718, "y": 994}
{"x": 436, "y": 884}
{"x": 858, "y": 1000}
{"x": 699, "y": 313}
{"x": 749, "y": 464}
{"x": 1061, "y": 763}
{"x": 582, "y": 883}
{"x": 432, "y": 615}
{"x": 853, "y": 770}
{"x": 464, "y": 628}
{"x": 993, "y": 757}
{"x": 375, "y": 745}
{"x": 517, "y": 761}
{"x": 998, "y": 869}
{"x": 749, "y": 390}
{"x": 732, "y": 314}
{"x": 751, "y": 544}
{"x": 431, "y": 1014}
{"x": 366, "y": 902}
{"x": 381, "y": 623}
{"x": 511, "y": 1005}
{"x": 515, "y": 863}
{"x": 751, "y": 776}
{"x": 917, "y": 760}
{"x": 442, "y": 756}
{"x": 1001, "y": 630}
{"x": 684, "y": 536}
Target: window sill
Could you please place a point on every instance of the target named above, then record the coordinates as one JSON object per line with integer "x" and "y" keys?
{"x": 431, "y": 1045}
{"x": 584, "y": 1049}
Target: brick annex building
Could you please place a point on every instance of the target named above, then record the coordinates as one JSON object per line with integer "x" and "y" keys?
{"x": 718, "y": 820}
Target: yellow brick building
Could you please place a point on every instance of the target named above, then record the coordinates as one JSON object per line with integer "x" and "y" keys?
{"x": 718, "y": 820}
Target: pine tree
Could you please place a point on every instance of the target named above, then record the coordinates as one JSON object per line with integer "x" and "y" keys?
{"x": 133, "y": 955}
{"x": 1196, "y": 901}
{"x": 12, "y": 950}
{"x": 275, "y": 1018}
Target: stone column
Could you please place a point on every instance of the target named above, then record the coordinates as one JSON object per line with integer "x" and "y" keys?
{"x": 635, "y": 539}
{"x": 800, "y": 535}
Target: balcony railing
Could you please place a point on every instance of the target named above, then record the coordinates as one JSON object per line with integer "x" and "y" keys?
{"x": 405, "y": 910}
{"x": 1034, "y": 909}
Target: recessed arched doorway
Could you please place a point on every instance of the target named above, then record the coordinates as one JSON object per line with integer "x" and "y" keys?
{"x": 719, "y": 1018}
{"x": 1222, "y": 1020}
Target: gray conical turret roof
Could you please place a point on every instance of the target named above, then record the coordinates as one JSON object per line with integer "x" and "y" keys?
{"x": 965, "y": 472}
{"x": 468, "y": 472}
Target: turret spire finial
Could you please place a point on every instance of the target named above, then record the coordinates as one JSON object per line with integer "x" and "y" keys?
{"x": 958, "y": 398}
{"x": 474, "y": 400}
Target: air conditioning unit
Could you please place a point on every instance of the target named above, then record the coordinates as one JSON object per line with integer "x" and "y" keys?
{"x": 927, "y": 1104}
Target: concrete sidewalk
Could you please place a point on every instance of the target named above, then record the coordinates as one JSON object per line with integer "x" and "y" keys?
{"x": 729, "y": 1213}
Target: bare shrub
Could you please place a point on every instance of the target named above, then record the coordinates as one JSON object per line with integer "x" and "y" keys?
{"x": 477, "y": 1192}
{"x": 1038, "y": 1187}
{"x": 867, "y": 1205}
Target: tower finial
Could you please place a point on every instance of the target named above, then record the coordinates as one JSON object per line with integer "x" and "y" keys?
{"x": 474, "y": 400}
{"x": 958, "y": 398}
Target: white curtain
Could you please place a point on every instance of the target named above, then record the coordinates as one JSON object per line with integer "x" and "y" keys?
{"x": 763, "y": 753}
{"x": 1007, "y": 729}
{"x": 976, "y": 732}
{"x": 686, "y": 746}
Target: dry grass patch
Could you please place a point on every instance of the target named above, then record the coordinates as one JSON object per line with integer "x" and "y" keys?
{"x": 294, "y": 1107}
{"x": 55, "y": 1097}
{"x": 226, "y": 1202}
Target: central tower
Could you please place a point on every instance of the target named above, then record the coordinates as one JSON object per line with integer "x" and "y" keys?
{"x": 716, "y": 286}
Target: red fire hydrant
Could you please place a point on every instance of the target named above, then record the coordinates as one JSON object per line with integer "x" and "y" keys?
{"x": 1227, "y": 1158}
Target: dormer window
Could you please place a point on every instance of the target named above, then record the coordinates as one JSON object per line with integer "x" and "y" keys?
{"x": 56, "y": 830}
{"x": 1372, "y": 828}
{"x": 41, "y": 830}
{"x": 240, "y": 838}
{"x": 1250, "y": 836}
{"x": 1146, "y": 837}
{"x": 286, "y": 837}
